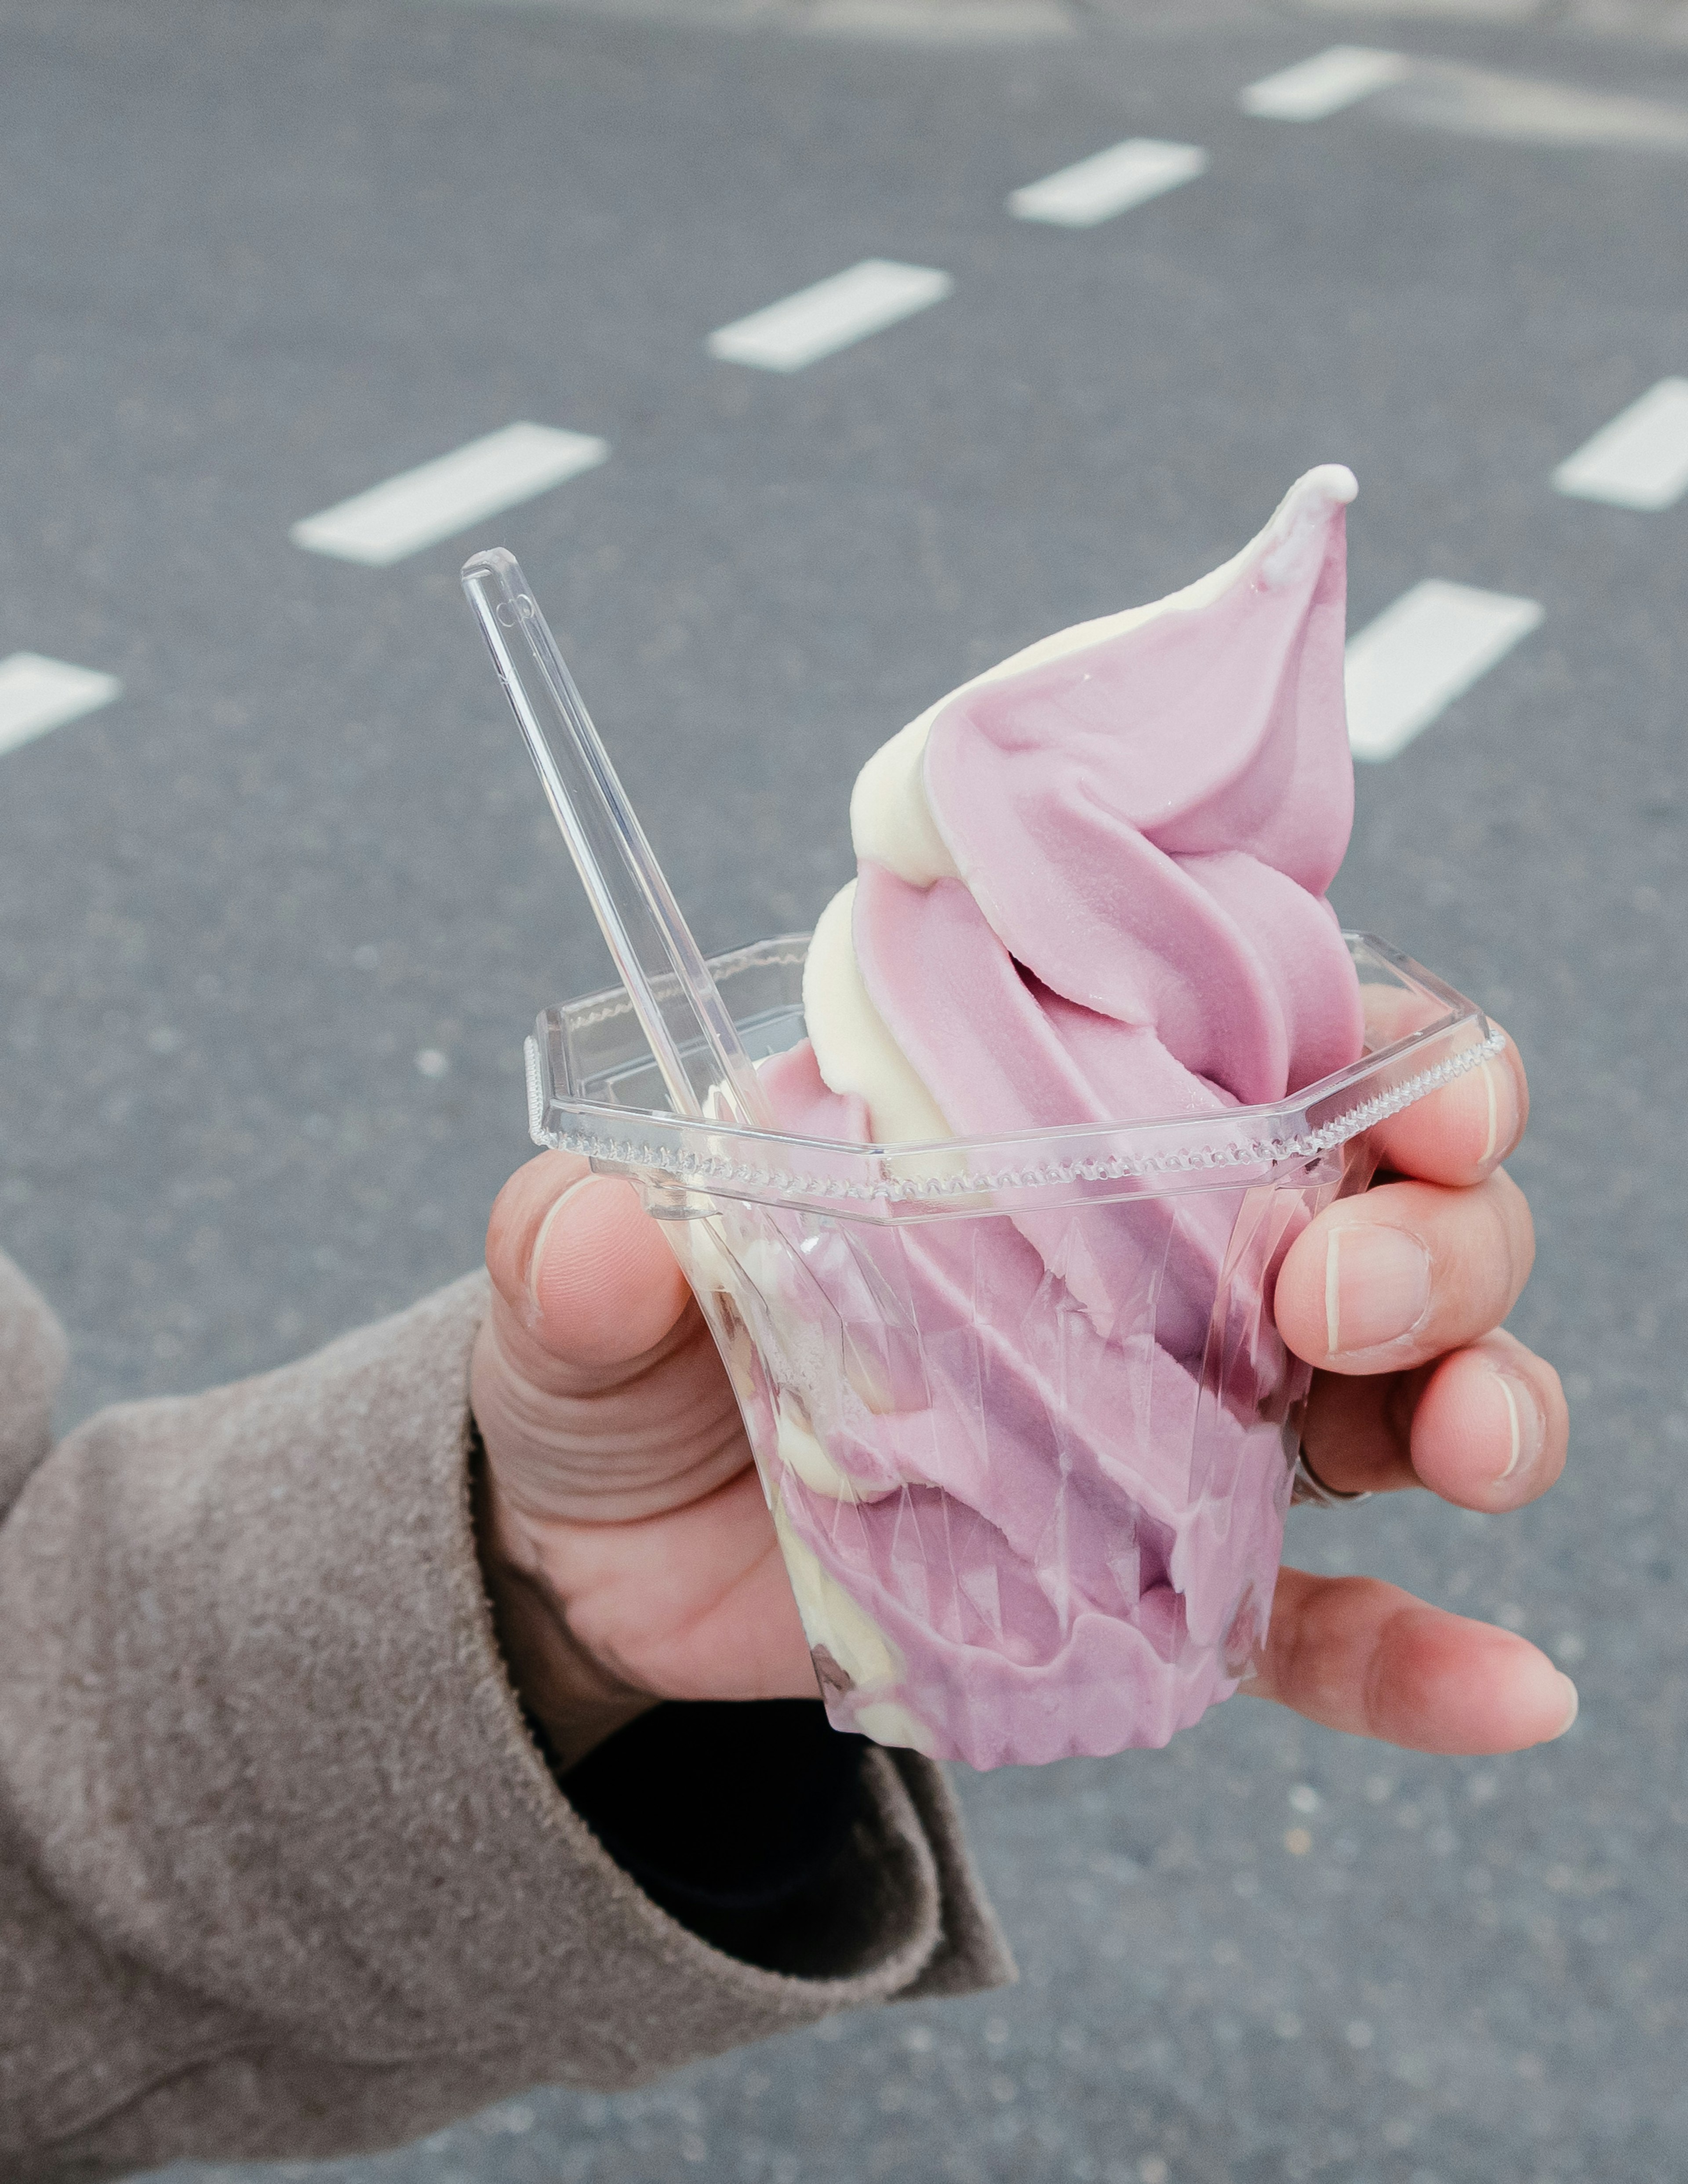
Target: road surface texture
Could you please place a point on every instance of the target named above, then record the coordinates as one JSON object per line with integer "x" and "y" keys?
{"x": 273, "y": 921}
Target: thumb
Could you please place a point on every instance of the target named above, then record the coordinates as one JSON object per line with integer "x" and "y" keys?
{"x": 581, "y": 1264}
{"x": 596, "y": 1385}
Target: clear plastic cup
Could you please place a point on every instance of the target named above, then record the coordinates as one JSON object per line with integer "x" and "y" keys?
{"x": 1018, "y": 1405}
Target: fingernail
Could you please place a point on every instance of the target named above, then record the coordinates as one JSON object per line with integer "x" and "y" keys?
{"x": 1572, "y": 1706}
{"x": 1525, "y": 1424}
{"x": 1501, "y": 1088}
{"x": 1377, "y": 1286}
{"x": 571, "y": 1196}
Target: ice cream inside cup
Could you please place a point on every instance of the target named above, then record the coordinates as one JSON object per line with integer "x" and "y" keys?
{"x": 1028, "y": 1465}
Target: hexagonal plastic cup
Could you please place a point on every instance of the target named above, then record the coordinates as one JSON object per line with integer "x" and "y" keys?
{"x": 1018, "y": 1406}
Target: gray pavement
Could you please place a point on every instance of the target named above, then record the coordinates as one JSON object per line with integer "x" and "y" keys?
{"x": 257, "y": 257}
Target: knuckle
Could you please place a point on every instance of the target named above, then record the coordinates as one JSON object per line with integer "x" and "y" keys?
{"x": 1485, "y": 1247}
{"x": 1516, "y": 1226}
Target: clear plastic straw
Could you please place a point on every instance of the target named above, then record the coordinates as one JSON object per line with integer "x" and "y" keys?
{"x": 692, "y": 1036}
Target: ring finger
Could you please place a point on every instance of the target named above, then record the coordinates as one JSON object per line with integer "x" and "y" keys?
{"x": 1486, "y": 1427}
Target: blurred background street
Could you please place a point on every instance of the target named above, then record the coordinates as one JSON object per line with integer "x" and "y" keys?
{"x": 278, "y": 897}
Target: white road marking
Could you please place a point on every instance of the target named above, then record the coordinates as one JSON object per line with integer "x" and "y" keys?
{"x": 818, "y": 321}
{"x": 421, "y": 507}
{"x": 37, "y": 693}
{"x": 1339, "y": 76}
{"x": 1410, "y": 665}
{"x": 916, "y": 22}
{"x": 1096, "y": 189}
{"x": 1640, "y": 459}
{"x": 1466, "y": 102}
{"x": 1513, "y": 109}
{"x": 1477, "y": 11}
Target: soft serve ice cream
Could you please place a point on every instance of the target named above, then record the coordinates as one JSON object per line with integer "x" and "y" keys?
{"x": 1027, "y": 1466}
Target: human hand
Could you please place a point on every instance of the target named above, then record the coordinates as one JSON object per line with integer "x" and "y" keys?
{"x": 629, "y": 1550}
{"x": 1397, "y": 1297}
{"x": 631, "y": 1553}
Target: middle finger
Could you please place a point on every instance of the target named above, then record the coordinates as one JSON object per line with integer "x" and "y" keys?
{"x": 1389, "y": 1280}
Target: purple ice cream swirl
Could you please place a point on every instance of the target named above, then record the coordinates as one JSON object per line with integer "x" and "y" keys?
{"x": 1090, "y": 891}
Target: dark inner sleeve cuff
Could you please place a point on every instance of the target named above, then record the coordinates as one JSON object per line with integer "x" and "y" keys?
{"x": 731, "y": 1816}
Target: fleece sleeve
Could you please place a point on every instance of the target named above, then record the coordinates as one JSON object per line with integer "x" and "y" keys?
{"x": 282, "y": 1870}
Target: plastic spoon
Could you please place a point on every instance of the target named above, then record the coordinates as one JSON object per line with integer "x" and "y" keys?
{"x": 692, "y": 1036}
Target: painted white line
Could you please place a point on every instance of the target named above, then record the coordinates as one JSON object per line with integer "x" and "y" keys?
{"x": 1471, "y": 11}
{"x": 37, "y": 693}
{"x": 1640, "y": 459}
{"x": 818, "y": 321}
{"x": 1339, "y": 76}
{"x": 1421, "y": 654}
{"x": 1111, "y": 182}
{"x": 421, "y": 507}
{"x": 1515, "y": 109}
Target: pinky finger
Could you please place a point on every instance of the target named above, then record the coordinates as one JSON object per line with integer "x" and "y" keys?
{"x": 1363, "y": 1656}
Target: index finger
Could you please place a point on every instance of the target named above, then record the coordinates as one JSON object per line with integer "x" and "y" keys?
{"x": 1463, "y": 1131}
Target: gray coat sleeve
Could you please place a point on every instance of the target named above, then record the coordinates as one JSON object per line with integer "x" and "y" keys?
{"x": 280, "y": 1870}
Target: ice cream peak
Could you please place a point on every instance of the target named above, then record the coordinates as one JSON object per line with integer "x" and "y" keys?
{"x": 1091, "y": 881}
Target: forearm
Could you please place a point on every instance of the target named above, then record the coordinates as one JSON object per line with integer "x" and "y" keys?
{"x": 267, "y": 1795}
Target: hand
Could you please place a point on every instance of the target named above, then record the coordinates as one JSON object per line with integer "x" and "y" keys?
{"x": 628, "y": 1548}
{"x": 1397, "y": 1298}
{"x": 630, "y": 1552}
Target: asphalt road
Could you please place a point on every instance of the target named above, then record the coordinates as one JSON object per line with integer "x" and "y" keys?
{"x": 257, "y": 257}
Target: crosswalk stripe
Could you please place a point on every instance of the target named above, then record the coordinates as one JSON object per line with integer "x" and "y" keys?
{"x": 438, "y": 499}
{"x": 819, "y": 320}
{"x": 37, "y": 693}
{"x": 1110, "y": 182}
{"x": 1640, "y": 459}
{"x": 1406, "y": 668}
